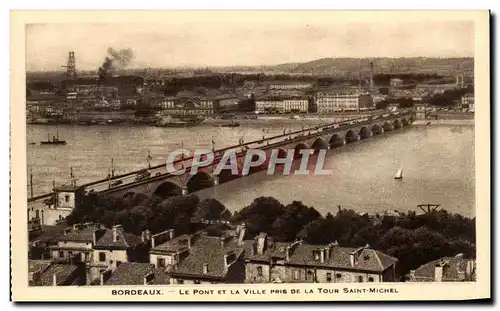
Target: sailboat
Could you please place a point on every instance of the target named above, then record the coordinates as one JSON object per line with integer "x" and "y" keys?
{"x": 54, "y": 141}
{"x": 399, "y": 174}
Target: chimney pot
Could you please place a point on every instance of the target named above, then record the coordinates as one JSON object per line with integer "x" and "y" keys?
{"x": 54, "y": 279}
{"x": 322, "y": 255}
{"x": 205, "y": 268}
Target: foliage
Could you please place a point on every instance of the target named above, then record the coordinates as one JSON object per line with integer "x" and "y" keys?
{"x": 449, "y": 97}
{"x": 414, "y": 239}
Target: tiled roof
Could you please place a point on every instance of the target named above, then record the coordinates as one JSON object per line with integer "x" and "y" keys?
{"x": 133, "y": 273}
{"x": 207, "y": 250}
{"x": 175, "y": 245}
{"x": 46, "y": 278}
{"x": 49, "y": 233}
{"x": 303, "y": 254}
{"x": 453, "y": 271}
{"x": 124, "y": 240}
{"x": 81, "y": 235}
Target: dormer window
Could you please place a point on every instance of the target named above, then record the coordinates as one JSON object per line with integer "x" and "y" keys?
{"x": 316, "y": 255}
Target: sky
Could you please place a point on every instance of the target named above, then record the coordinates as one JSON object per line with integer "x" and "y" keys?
{"x": 228, "y": 43}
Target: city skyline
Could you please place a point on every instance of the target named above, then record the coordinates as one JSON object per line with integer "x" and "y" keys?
{"x": 196, "y": 44}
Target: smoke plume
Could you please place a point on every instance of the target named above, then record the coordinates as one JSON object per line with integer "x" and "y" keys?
{"x": 115, "y": 59}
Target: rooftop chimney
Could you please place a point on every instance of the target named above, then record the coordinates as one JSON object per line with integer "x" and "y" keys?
{"x": 287, "y": 253}
{"x": 241, "y": 234}
{"x": 205, "y": 268}
{"x": 54, "y": 279}
{"x": 104, "y": 277}
{"x": 149, "y": 278}
{"x": 261, "y": 243}
{"x": 229, "y": 257}
{"x": 146, "y": 236}
{"x": 115, "y": 232}
{"x": 438, "y": 273}
{"x": 161, "y": 237}
{"x": 322, "y": 255}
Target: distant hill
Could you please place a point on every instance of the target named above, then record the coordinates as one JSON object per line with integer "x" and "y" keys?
{"x": 352, "y": 66}
{"x": 341, "y": 67}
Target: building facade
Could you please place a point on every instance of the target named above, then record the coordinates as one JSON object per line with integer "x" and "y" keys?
{"x": 327, "y": 102}
{"x": 282, "y": 105}
{"x": 468, "y": 101}
{"x": 447, "y": 269}
{"x": 297, "y": 262}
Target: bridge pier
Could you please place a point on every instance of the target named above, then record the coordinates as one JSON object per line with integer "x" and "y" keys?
{"x": 215, "y": 180}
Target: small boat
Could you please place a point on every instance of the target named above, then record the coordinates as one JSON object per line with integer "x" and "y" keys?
{"x": 399, "y": 174}
{"x": 232, "y": 124}
{"x": 54, "y": 141}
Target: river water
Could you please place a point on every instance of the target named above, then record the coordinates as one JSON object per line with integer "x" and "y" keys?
{"x": 438, "y": 163}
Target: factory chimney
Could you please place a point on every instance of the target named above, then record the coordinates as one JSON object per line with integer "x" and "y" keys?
{"x": 372, "y": 73}
{"x": 71, "y": 66}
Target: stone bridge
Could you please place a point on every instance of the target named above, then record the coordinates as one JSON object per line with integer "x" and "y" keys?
{"x": 164, "y": 184}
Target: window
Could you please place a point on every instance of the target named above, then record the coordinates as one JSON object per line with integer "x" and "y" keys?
{"x": 338, "y": 275}
{"x": 328, "y": 276}
{"x": 309, "y": 274}
{"x": 370, "y": 279}
{"x": 70, "y": 253}
{"x": 61, "y": 254}
{"x": 180, "y": 281}
{"x": 118, "y": 263}
{"x": 259, "y": 271}
{"x": 66, "y": 198}
{"x": 360, "y": 279}
{"x": 102, "y": 257}
{"x": 160, "y": 262}
{"x": 197, "y": 282}
{"x": 296, "y": 274}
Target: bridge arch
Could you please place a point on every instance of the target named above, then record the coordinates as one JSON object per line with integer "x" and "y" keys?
{"x": 396, "y": 124}
{"x": 376, "y": 129}
{"x": 350, "y": 136}
{"x": 128, "y": 195}
{"x": 364, "y": 133}
{"x": 200, "y": 180}
{"x": 319, "y": 144}
{"x": 297, "y": 148}
{"x": 167, "y": 189}
{"x": 336, "y": 141}
{"x": 226, "y": 175}
{"x": 387, "y": 127}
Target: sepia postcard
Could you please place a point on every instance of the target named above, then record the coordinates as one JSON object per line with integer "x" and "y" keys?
{"x": 250, "y": 155}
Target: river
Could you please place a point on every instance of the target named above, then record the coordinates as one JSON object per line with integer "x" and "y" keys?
{"x": 438, "y": 164}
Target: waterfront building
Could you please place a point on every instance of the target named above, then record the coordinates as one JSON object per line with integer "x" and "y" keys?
{"x": 447, "y": 269}
{"x": 396, "y": 82}
{"x": 467, "y": 101}
{"x": 328, "y": 102}
{"x": 286, "y": 85}
{"x": 282, "y": 104}
{"x": 276, "y": 262}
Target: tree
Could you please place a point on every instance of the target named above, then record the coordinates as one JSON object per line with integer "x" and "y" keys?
{"x": 260, "y": 215}
{"x": 209, "y": 209}
{"x": 292, "y": 221}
